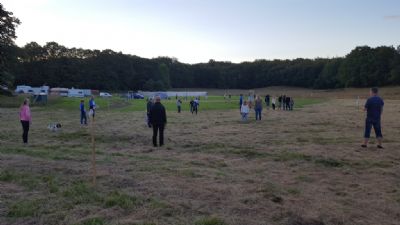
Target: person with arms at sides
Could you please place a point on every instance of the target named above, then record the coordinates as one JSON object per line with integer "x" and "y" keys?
{"x": 240, "y": 101}
{"x": 273, "y": 102}
{"x": 26, "y": 119}
{"x": 374, "y": 109}
{"x": 179, "y": 105}
{"x": 267, "y": 100}
{"x": 258, "y": 107}
{"x": 158, "y": 119}
{"x": 83, "y": 113}
{"x": 92, "y": 107}
{"x": 244, "y": 110}
{"x": 196, "y": 105}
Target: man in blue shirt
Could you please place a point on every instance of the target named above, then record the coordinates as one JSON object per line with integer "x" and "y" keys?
{"x": 374, "y": 108}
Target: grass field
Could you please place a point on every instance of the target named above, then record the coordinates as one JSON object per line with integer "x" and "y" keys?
{"x": 302, "y": 167}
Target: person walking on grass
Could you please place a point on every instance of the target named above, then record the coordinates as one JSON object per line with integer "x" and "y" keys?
{"x": 26, "y": 119}
{"x": 244, "y": 110}
{"x": 258, "y": 107}
{"x": 83, "y": 113}
{"x": 374, "y": 109}
{"x": 158, "y": 119}
{"x": 179, "y": 105}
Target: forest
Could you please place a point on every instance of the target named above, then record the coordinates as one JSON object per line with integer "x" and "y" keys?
{"x": 58, "y": 66}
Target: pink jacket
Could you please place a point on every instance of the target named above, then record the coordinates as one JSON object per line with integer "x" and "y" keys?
{"x": 25, "y": 113}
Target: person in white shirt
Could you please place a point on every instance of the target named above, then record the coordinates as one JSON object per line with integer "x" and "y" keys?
{"x": 273, "y": 102}
{"x": 245, "y": 111}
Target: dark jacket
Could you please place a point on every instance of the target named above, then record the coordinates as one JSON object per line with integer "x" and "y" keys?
{"x": 149, "y": 105}
{"x": 157, "y": 114}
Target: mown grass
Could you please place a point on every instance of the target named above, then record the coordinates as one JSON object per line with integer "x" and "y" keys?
{"x": 24, "y": 208}
{"x": 123, "y": 105}
{"x": 210, "y": 221}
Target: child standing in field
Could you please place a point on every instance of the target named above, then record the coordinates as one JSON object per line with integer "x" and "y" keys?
{"x": 244, "y": 110}
{"x": 26, "y": 119}
{"x": 83, "y": 113}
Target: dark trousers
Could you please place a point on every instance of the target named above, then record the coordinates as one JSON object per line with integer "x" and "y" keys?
{"x": 179, "y": 109}
{"x": 369, "y": 123}
{"x": 158, "y": 128}
{"x": 83, "y": 118}
{"x": 25, "y": 128}
{"x": 258, "y": 114}
{"x": 194, "y": 109}
{"x": 273, "y": 106}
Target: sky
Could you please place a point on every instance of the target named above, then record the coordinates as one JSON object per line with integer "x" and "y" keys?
{"x": 195, "y": 31}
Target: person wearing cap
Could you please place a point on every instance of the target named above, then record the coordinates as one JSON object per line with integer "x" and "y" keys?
{"x": 158, "y": 119}
{"x": 374, "y": 109}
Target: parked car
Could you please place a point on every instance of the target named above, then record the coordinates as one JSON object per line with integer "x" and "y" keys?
{"x": 105, "y": 94}
{"x": 138, "y": 96}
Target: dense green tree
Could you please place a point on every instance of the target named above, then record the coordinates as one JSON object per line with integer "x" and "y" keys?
{"x": 8, "y": 52}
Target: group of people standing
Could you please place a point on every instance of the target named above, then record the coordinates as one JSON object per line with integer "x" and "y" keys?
{"x": 284, "y": 103}
{"x": 157, "y": 117}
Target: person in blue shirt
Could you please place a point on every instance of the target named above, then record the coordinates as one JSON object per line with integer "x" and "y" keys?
{"x": 83, "y": 113}
{"x": 92, "y": 106}
{"x": 240, "y": 101}
{"x": 374, "y": 109}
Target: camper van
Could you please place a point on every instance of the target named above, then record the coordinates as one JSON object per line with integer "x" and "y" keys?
{"x": 79, "y": 93}
{"x": 23, "y": 89}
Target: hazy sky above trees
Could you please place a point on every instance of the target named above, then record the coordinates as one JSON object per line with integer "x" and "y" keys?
{"x": 198, "y": 30}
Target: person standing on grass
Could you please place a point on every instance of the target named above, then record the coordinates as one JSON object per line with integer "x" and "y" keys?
{"x": 191, "y": 103}
{"x": 273, "y": 102}
{"x": 83, "y": 113}
{"x": 240, "y": 101}
{"x": 258, "y": 107}
{"x": 374, "y": 109}
{"x": 158, "y": 119}
{"x": 26, "y": 119}
{"x": 291, "y": 104}
{"x": 92, "y": 106}
{"x": 148, "y": 107}
{"x": 179, "y": 105}
{"x": 244, "y": 110}
{"x": 267, "y": 100}
{"x": 279, "y": 102}
{"x": 196, "y": 105}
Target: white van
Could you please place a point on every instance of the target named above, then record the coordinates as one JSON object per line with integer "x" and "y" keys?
{"x": 105, "y": 94}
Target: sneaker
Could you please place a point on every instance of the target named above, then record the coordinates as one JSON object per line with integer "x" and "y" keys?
{"x": 379, "y": 146}
{"x": 363, "y": 146}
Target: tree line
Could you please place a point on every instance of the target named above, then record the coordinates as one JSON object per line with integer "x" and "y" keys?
{"x": 58, "y": 66}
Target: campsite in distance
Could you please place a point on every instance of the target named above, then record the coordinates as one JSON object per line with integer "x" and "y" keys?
{"x": 199, "y": 112}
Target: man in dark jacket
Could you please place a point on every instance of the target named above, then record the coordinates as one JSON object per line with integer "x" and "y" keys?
{"x": 158, "y": 119}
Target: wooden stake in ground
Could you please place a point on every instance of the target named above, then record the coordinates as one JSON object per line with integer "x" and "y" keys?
{"x": 93, "y": 150}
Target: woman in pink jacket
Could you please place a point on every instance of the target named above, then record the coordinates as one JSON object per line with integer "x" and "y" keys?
{"x": 26, "y": 119}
